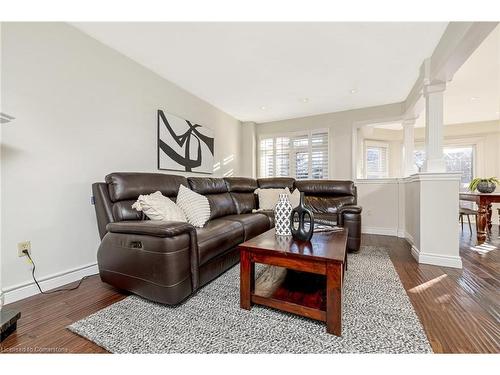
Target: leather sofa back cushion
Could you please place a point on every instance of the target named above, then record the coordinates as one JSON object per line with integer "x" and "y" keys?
{"x": 324, "y": 204}
{"x": 221, "y": 205}
{"x": 123, "y": 211}
{"x": 242, "y": 190}
{"x": 129, "y": 185}
{"x": 326, "y": 187}
{"x": 215, "y": 189}
{"x": 207, "y": 185}
{"x": 241, "y": 184}
{"x": 245, "y": 202}
{"x": 276, "y": 183}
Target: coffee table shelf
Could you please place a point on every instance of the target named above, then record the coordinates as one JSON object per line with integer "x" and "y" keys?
{"x": 306, "y": 278}
{"x": 301, "y": 293}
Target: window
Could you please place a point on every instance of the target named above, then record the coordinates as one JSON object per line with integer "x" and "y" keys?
{"x": 376, "y": 159}
{"x": 300, "y": 155}
{"x": 458, "y": 159}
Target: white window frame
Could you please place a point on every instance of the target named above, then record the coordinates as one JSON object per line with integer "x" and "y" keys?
{"x": 291, "y": 163}
{"x": 475, "y": 143}
{"x": 376, "y": 143}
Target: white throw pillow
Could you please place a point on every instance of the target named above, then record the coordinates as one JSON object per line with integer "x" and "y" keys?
{"x": 268, "y": 198}
{"x": 195, "y": 206}
{"x": 294, "y": 197}
{"x": 158, "y": 207}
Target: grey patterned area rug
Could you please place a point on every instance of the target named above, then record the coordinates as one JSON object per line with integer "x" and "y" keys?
{"x": 377, "y": 318}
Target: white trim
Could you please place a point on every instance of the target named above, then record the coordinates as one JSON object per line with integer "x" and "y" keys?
{"x": 380, "y": 230}
{"x": 25, "y": 290}
{"x": 433, "y": 177}
{"x": 408, "y": 237}
{"x": 377, "y": 181}
{"x": 415, "y": 252}
{"x": 402, "y": 233}
{"x": 436, "y": 259}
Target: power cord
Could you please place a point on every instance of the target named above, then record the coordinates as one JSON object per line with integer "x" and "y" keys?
{"x": 26, "y": 252}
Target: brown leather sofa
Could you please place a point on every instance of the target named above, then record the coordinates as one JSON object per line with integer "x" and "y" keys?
{"x": 168, "y": 261}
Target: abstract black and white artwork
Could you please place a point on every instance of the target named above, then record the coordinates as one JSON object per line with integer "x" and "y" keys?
{"x": 184, "y": 146}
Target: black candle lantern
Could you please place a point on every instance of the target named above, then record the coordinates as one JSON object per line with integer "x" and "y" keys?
{"x": 301, "y": 233}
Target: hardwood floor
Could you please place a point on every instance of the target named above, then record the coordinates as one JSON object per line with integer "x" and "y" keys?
{"x": 459, "y": 309}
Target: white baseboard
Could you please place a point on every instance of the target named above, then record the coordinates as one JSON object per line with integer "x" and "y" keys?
{"x": 436, "y": 259}
{"x": 21, "y": 291}
{"x": 380, "y": 230}
{"x": 409, "y": 238}
{"x": 402, "y": 233}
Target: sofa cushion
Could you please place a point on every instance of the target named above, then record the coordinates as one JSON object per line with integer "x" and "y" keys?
{"x": 276, "y": 183}
{"x": 245, "y": 202}
{"x": 123, "y": 210}
{"x": 253, "y": 224}
{"x": 326, "y": 187}
{"x": 221, "y": 205}
{"x": 217, "y": 237}
{"x": 242, "y": 191}
{"x": 325, "y": 218}
{"x": 270, "y": 216}
{"x": 129, "y": 185}
{"x": 241, "y": 184}
{"x": 325, "y": 204}
{"x": 208, "y": 185}
{"x": 215, "y": 189}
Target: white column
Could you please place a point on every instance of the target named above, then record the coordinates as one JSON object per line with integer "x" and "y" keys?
{"x": 434, "y": 128}
{"x": 408, "y": 147}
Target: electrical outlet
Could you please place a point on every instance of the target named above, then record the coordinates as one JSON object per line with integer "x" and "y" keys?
{"x": 21, "y": 246}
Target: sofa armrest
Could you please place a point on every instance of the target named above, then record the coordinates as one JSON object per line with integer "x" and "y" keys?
{"x": 151, "y": 228}
{"x": 349, "y": 209}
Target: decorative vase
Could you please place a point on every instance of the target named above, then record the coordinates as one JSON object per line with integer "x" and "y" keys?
{"x": 486, "y": 187}
{"x": 301, "y": 232}
{"x": 282, "y": 212}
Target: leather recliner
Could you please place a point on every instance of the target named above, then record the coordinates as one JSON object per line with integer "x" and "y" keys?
{"x": 168, "y": 261}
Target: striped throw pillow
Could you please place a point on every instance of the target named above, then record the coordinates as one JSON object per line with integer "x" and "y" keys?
{"x": 195, "y": 206}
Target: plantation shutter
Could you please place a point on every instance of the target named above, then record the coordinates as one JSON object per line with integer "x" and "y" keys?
{"x": 376, "y": 161}
{"x": 282, "y": 157}
{"x": 319, "y": 155}
{"x": 299, "y": 155}
{"x": 267, "y": 157}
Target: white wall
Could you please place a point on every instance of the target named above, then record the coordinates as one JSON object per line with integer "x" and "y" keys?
{"x": 340, "y": 125}
{"x": 379, "y": 199}
{"x": 412, "y": 215}
{"x": 82, "y": 111}
{"x": 248, "y": 141}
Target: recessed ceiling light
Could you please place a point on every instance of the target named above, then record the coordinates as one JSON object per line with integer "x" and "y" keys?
{"x": 263, "y": 107}
{"x": 354, "y": 91}
{"x": 474, "y": 98}
{"x": 304, "y": 100}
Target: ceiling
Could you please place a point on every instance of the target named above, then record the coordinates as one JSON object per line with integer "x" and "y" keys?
{"x": 474, "y": 93}
{"x": 270, "y": 71}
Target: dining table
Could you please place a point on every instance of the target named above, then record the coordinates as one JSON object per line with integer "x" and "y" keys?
{"x": 484, "y": 202}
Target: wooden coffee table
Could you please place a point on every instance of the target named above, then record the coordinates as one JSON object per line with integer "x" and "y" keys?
{"x": 310, "y": 280}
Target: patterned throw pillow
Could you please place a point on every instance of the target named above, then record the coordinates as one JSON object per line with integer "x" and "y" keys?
{"x": 195, "y": 206}
{"x": 158, "y": 207}
{"x": 268, "y": 198}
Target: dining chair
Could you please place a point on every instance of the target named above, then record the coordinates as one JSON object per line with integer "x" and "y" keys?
{"x": 464, "y": 211}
